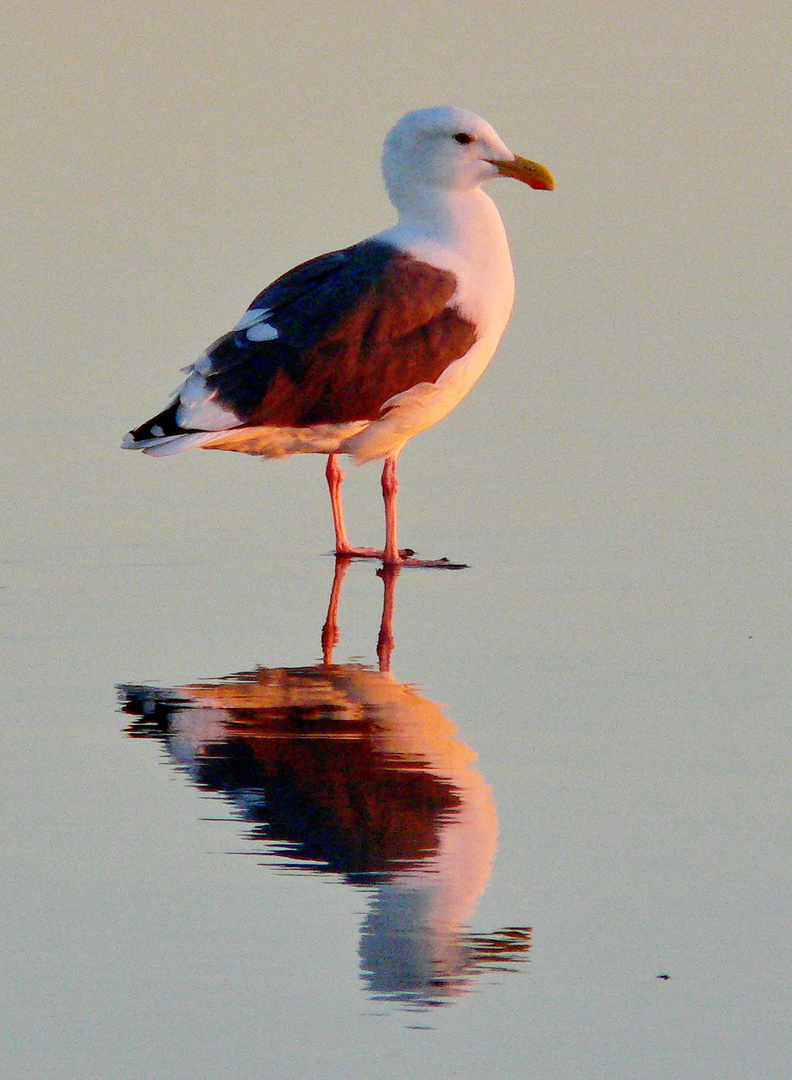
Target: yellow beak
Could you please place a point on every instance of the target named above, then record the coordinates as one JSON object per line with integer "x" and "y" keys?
{"x": 529, "y": 172}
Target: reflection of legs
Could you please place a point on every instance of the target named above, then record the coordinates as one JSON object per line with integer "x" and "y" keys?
{"x": 330, "y": 628}
{"x": 388, "y": 573}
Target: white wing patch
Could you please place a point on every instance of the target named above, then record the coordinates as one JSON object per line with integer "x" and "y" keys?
{"x": 262, "y": 332}
{"x": 198, "y": 410}
{"x": 251, "y": 317}
{"x": 203, "y": 365}
{"x": 255, "y": 322}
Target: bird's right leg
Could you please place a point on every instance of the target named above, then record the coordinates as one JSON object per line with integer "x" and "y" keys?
{"x": 393, "y": 556}
{"x": 335, "y": 478}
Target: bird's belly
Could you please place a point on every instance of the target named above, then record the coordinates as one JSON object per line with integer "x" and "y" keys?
{"x": 282, "y": 441}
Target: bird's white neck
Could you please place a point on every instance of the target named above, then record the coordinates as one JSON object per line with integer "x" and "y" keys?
{"x": 467, "y": 221}
{"x": 461, "y": 231}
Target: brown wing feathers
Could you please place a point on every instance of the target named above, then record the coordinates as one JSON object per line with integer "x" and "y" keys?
{"x": 400, "y": 332}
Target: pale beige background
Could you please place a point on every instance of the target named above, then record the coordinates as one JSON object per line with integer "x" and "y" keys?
{"x": 618, "y": 655}
{"x": 162, "y": 162}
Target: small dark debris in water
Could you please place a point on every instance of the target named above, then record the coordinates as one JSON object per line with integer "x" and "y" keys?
{"x": 663, "y": 976}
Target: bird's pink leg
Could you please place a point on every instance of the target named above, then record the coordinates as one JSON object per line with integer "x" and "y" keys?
{"x": 335, "y": 477}
{"x": 392, "y": 556}
{"x": 390, "y": 488}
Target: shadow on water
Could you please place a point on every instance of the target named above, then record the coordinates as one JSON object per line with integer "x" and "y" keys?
{"x": 341, "y": 769}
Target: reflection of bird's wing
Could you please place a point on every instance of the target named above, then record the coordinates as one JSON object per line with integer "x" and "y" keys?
{"x": 330, "y": 342}
{"x": 387, "y": 794}
{"x": 307, "y": 737}
{"x": 411, "y": 728}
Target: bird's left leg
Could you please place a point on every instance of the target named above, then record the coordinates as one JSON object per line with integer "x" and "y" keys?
{"x": 390, "y": 488}
{"x": 335, "y": 478}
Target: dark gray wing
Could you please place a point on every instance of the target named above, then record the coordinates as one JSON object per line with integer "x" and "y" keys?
{"x": 332, "y": 340}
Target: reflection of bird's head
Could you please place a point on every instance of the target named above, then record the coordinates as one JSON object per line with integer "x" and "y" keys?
{"x": 408, "y": 956}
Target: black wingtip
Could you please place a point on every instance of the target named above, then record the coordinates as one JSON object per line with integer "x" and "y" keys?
{"x": 161, "y": 426}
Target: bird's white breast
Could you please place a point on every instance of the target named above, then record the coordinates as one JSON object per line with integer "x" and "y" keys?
{"x": 465, "y": 235}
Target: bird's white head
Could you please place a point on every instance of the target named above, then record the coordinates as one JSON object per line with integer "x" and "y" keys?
{"x": 450, "y": 149}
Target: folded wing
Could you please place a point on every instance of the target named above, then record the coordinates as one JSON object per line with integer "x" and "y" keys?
{"x": 330, "y": 342}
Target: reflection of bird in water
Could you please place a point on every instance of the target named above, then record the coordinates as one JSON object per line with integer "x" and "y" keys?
{"x": 343, "y": 769}
{"x": 357, "y": 351}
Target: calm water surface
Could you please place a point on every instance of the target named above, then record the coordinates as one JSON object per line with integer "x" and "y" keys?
{"x": 502, "y": 846}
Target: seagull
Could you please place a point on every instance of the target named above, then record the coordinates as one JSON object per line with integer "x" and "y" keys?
{"x": 356, "y": 351}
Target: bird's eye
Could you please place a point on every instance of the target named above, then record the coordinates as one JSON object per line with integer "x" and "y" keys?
{"x": 463, "y": 138}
